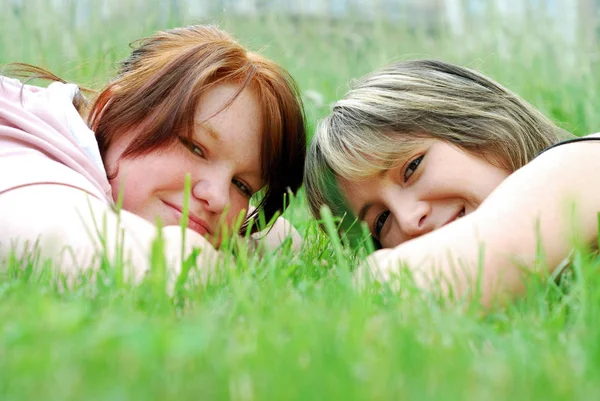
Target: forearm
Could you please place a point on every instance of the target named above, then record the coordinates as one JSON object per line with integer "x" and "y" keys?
{"x": 455, "y": 260}
{"x": 530, "y": 223}
{"x": 281, "y": 230}
{"x": 75, "y": 231}
{"x": 274, "y": 236}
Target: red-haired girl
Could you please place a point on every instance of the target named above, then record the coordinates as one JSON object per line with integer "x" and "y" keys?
{"x": 188, "y": 100}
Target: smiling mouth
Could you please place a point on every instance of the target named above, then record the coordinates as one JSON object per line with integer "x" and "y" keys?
{"x": 194, "y": 222}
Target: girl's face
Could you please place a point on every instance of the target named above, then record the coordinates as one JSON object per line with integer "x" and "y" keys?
{"x": 436, "y": 185}
{"x": 223, "y": 159}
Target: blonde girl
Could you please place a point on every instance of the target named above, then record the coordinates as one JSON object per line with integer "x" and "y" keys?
{"x": 444, "y": 165}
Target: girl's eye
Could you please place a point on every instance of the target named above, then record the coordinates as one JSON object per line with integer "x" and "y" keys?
{"x": 192, "y": 147}
{"x": 380, "y": 222}
{"x": 246, "y": 190}
{"x": 412, "y": 167}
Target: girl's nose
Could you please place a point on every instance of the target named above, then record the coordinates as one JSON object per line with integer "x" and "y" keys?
{"x": 213, "y": 192}
{"x": 413, "y": 218}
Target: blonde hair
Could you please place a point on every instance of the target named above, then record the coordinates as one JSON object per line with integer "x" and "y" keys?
{"x": 386, "y": 114}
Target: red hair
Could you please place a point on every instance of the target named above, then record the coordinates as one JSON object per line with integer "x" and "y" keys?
{"x": 166, "y": 75}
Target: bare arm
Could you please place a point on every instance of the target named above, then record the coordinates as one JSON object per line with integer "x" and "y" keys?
{"x": 531, "y": 208}
{"x": 274, "y": 236}
{"x": 70, "y": 227}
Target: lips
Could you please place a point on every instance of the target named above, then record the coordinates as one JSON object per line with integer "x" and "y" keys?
{"x": 194, "y": 222}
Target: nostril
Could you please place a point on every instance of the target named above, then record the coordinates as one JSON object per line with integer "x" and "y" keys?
{"x": 422, "y": 221}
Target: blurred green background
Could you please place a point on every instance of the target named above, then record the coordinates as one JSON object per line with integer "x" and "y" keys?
{"x": 545, "y": 50}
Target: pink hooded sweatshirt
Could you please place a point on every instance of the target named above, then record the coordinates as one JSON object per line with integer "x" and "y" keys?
{"x": 43, "y": 140}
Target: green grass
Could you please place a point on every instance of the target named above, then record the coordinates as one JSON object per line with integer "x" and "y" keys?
{"x": 292, "y": 326}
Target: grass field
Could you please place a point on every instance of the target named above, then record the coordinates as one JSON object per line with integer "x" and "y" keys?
{"x": 292, "y": 326}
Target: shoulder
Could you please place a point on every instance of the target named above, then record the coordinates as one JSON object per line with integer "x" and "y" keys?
{"x": 41, "y": 126}
{"x": 567, "y": 162}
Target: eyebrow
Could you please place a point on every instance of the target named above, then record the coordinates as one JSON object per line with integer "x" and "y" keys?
{"x": 363, "y": 210}
{"x": 210, "y": 131}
